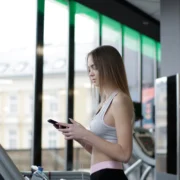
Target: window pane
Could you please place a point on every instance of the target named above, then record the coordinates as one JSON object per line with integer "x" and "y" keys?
{"x": 52, "y": 139}
{"x": 54, "y": 83}
{"x": 148, "y": 64}
{"x": 131, "y": 61}
{"x": 12, "y": 104}
{"x": 86, "y": 38}
{"x": 17, "y": 57}
{"x": 111, "y": 33}
{"x": 12, "y": 139}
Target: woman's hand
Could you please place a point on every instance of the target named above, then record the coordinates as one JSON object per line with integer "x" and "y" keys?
{"x": 73, "y": 131}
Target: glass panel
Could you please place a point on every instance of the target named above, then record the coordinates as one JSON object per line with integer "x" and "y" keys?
{"x": 17, "y": 57}
{"x": 131, "y": 42}
{"x": 111, "y": 33}
{"x": 54, "y": 83}
{"x": 131, "y": 61}
{"x": 86, "y": 38}
{"x": 148, "y": 64}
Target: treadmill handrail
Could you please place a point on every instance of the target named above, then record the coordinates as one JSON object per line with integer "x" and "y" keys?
{"x": 146, "y": 173}
{"x": 133, "y": 167}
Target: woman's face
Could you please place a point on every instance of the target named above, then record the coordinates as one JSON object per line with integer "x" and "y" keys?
{"x": 93, "y": 72}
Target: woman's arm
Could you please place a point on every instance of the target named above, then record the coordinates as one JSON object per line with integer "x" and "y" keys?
{"x": 65, "y": 131}
{"x": 85, "y": 145}
{"x": 122, "y": 111}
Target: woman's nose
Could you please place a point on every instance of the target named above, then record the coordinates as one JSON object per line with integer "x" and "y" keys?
{"x": 91, "y": 73}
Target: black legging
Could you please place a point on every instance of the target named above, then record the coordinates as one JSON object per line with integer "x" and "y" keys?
{"x": 107, "y": 174}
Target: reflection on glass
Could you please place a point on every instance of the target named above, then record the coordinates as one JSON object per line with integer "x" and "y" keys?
{"x": 148, "y": 68}
{"x": 131, "y": 60}
{"x": 86, "y": 38}
{"x": 111, "y": 33}
{"x": 17, "y": 56}
{"x": 54, "y": 83}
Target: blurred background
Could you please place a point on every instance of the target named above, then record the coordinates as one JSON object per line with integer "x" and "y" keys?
{"x": 18, "y": 60}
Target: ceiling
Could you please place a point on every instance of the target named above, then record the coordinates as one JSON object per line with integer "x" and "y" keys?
{"x": 150, "y": 7}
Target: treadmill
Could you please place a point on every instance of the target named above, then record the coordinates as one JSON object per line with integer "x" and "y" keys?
{"x": 144, "y": 151}
{"x": 143, "y": 147}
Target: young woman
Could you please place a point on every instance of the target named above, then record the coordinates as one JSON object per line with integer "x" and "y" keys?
{"x": 109, "y": 140}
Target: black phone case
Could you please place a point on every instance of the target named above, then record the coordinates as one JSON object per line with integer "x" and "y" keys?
{"x": 54, "y": 123}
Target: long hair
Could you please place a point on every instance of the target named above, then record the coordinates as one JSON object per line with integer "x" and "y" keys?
{"x": 110, "y": 66}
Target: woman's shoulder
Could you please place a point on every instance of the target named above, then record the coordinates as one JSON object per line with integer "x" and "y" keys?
{"x": 122, "y": 99}
{"x": 122, "y": 105}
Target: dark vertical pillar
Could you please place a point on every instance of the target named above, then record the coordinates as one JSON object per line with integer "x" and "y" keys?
{"x": 100, "y": 29}
{"x": 122, "y": 50}
{"x": 100, "y": 42}
{"x": 38, "y": 84}
{"x": 70, "y": 83}
{"x": 171, "y": 161}
{"x": 156, "y": 75}
{"x": 140, "y": 79}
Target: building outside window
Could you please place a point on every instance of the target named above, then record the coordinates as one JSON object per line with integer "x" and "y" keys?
{"x": 13, "y": 104}
{"x": 52, "y": 142}
{"x": 12, "y": 139}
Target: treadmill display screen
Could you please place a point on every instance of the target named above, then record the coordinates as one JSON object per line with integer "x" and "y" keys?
{"x": 147, "y": 143}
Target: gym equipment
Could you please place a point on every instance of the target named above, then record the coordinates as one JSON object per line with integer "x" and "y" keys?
{"x": 143, "y": 150}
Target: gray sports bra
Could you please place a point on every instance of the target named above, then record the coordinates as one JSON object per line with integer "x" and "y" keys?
{"x": 99, "y": 127}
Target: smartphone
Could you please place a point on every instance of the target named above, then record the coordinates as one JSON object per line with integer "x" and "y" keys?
{"x": 55, "y": 124}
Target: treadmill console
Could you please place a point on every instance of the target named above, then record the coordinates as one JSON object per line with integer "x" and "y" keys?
{"x": 145, "y": 140}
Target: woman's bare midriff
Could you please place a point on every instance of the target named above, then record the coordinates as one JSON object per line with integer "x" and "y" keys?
{"x": 98, "y": 156}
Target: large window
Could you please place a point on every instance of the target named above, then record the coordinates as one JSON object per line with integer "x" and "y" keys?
{"x": 148, "y": 77}
{"x": 17, "y": 57}
{"x": 132, "y": 61}
{"x": 86, "y": 38}
{"x": 54, "y": 82}
{"x": 111, "y": 33}
{"x": 131, "y": 57}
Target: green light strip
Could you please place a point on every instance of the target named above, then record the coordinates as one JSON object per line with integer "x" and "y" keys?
{"x": 41, "y": 6}
{"x": 62, "y": 2}
{"x": 158, "y": 52}
{"x": 131, "y": 39}
{"x": 149, "y": 47}
{"x": 110, "y": 23}
{"x": 80, "y": 9}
